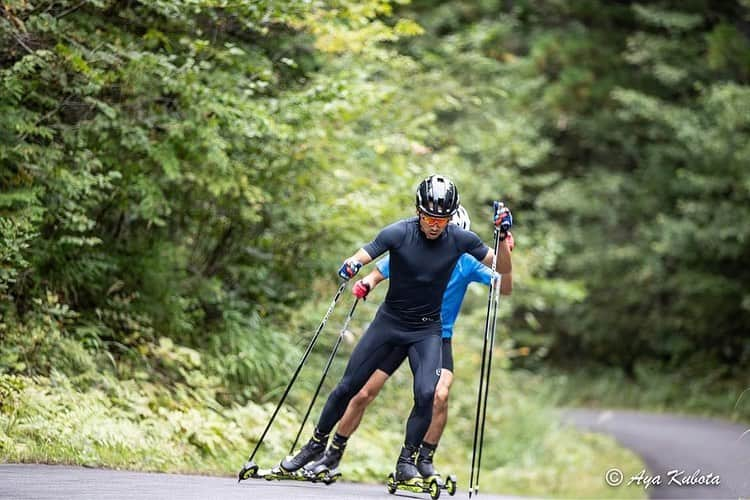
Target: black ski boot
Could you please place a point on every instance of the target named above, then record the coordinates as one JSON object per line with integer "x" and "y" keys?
{"x": 427, "y": 469}
{"x": 424, "y": 460}
{"x": 327, "y": 468}
{"x": 311, "y": 452}
{"x": 406, "y": 467}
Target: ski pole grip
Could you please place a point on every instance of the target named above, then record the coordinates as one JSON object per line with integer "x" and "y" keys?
{"x": 497, "y": 206}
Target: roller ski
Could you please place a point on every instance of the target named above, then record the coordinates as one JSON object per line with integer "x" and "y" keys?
{"x": 279, "y": 474}
{"x": 427, "y": 471}
{"x": 325, "y": 470}
{"x": 291, "y": 468}
{"x": 251, "y": 470}
{"x": 408, "y": 478}
{"x": 414, "y": 485}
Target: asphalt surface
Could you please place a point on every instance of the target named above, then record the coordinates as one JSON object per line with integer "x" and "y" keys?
{"x": 696, "y": 449}
{"x": 54, "y": 482}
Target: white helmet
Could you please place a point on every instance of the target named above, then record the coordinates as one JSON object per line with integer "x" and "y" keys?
{"x": 461, "y": 218}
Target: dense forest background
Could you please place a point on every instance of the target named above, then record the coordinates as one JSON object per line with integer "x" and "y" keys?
{"x": 180, "y": 179}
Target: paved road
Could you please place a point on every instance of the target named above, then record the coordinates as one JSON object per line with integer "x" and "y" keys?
{"x": 674, "y": 443}
{"x": 54, "y": 482}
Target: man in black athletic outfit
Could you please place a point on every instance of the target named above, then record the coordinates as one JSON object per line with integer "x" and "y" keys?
{"x": 423, "y": 252}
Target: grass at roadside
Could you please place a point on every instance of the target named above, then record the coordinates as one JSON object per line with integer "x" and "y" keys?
{"x": 652, "y": 389}
{"x": 139, "y": 426}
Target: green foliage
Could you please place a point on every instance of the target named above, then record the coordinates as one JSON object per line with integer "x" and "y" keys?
{"x": 687, "y": 391}
{"x": 633, "y": 205}
{"x": 252, "y": 360}
{"x": 161, "y": 166}
{"x": 179, "y": 180}
{"x": 123, "y": 425}
{"x": 11, "y": 388}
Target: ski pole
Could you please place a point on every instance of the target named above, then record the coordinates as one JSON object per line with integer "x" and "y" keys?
{"x": 251, "y": 468}
{"x": 482, "y": 369}
{"x": 488, "y": 375}
{"x": 487, "y": 383}
{"x": 325, "y": 373}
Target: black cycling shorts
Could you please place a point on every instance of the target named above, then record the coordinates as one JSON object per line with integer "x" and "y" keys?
{"x": 394, "y": 360}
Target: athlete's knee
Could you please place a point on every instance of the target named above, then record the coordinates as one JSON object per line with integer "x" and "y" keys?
{"x": 342, "y": 391}
{"x": 364, "y": 397}
{"x": 424, "y": 397}
{"x": 441, "y": 397}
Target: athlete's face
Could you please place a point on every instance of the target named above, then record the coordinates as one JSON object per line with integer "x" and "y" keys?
{"x": 432, "y": 227}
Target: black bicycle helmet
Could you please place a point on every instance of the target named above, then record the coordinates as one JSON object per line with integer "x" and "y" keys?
{"x": 437, "y": 196}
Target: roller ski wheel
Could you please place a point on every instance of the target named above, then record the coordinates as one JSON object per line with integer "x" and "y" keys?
{"x": 328, "y": 477}
{"x": 391, "y": 484}
{"x": 450, "y": 484}
{"x": 414, "y": 485}
{"x": 248, "y": 471}
{"x": 434, "y": 489}
{"x": 322, "y": 475}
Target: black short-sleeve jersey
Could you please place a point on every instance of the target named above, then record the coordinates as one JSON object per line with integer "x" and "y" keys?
{"x": 421, "y": 268}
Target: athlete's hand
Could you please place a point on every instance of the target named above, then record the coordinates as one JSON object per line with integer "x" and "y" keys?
{"x": 502, "y": 219}
{"x": 361, "y": 289}
{"x": 349, "y": 269}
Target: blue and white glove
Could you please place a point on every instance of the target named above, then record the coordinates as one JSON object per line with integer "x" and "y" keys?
{"x": 502, "y": 218}
{"x": 349, "y": 269}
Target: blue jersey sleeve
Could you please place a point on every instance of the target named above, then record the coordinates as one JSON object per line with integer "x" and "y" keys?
{"x": 384, "y": 266}
{"x": 476, "y": 270}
